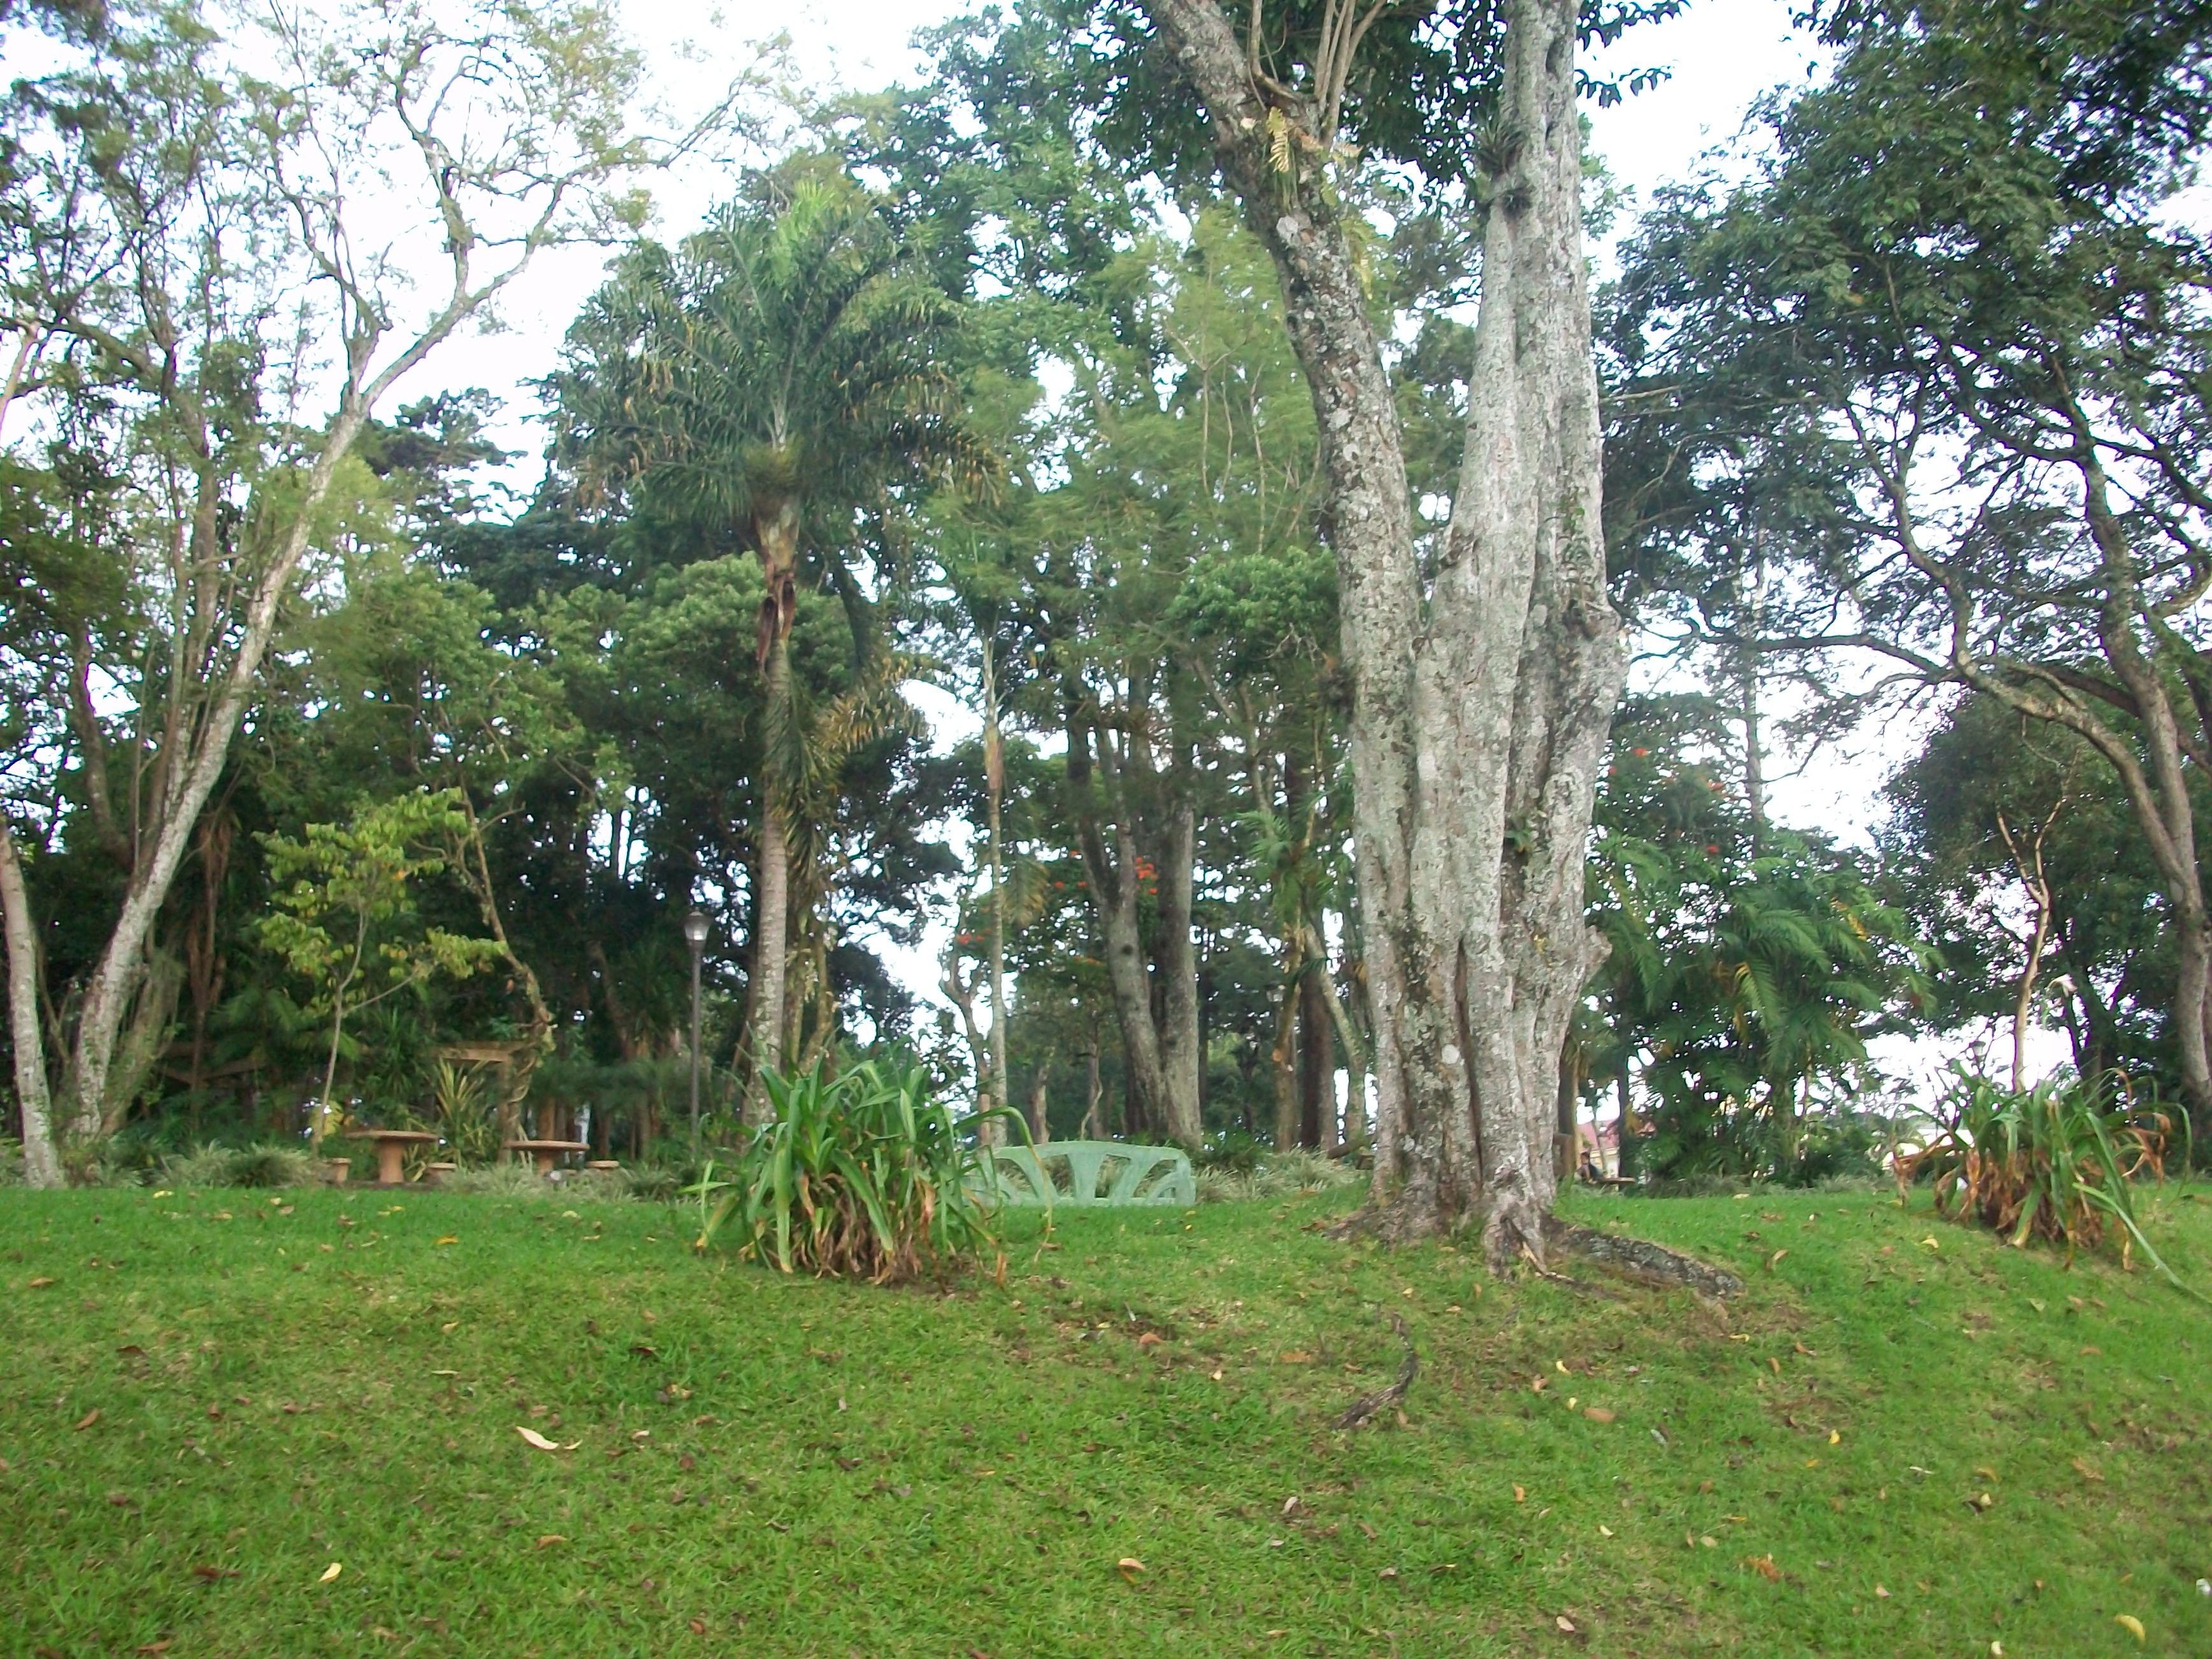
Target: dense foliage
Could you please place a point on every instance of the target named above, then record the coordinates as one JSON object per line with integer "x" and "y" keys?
{"x": 953, "y": 400}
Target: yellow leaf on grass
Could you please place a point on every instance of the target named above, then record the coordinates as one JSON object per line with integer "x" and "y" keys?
{"x": 1519, "y": 1496}
{"x": 330, "y": 1572}
{"x": 1929, "y": 1242}
{"x": 1835, "y": 1437}
{"x": 1775, "y": 1260}
{"x": 542, "y": 1443}
{"x": 450, "y": 1238}
{"x": 41, "y": 1283}
{"x": 2129, "y": 1622}
{"x": 1128, "y": 1567}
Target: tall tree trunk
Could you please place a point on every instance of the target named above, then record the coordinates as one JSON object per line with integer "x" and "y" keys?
{"x": 995, "y": 782}
{"x": 778, "y": 538}
{"x": 1181, "y": 1060}
{"x": 42, "y": 1164}
{"x": 1094, "y": 1125}
{"x": 1040, "y": 1116}
{"x": 1480, "y": 706}
{"x": 1316, "y": 1067}
{"x": 1282, "y": 1057}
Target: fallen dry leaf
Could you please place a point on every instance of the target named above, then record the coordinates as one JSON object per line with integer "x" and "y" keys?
{"x": 1387, "y": 1572}
{"x": 89, "y": 1418}
{"x": 2088, "y": 1470}
{"x": 1128, "y": 1567}
{"x": 1603, "y": 1530}
{"x": 40, "y": 1284}
{"x": 1775, "y": 1260}
{"x": 1520, "y": 1496}
{"x": 161, "y": 1646}
{"x": 330, "y": 1572}
{"x": 1566, "y": 1625}
{"x": 1298, "y": 1357}
{"x": 698, "y": 1626}
{"x": 1150, "y": 1340}
{"x": 546, "y": 1541}
{"x": 1764, "y": 1567}
{"x": 1597, "y": 1414}
{"x": 2129, "y": 1622}
{"x": 450, "y": 1238}
{"x": 212, "y": 1573}
{"x": 543, "y": 1444}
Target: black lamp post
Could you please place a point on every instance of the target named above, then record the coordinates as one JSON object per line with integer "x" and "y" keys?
{"x": 694, "y": 934}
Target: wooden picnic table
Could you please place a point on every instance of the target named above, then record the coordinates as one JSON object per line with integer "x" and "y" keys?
{"x": 545, "y": 1153}
{"x": 392, "y": 1147}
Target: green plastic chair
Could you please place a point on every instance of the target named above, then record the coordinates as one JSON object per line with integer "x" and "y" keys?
{"x": 1098, "y": 1173}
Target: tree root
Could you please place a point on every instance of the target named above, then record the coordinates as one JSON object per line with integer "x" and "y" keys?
{"x": 1511, "y": 1236}
{"x": 1384, "y": 1399}
{"x": 1641, "y": 1260}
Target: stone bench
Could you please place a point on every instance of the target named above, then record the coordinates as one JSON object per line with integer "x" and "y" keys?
{"x": 1080, "y": 1173}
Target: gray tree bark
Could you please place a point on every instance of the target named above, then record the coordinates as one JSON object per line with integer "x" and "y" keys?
{"x": 1482, "y": 699}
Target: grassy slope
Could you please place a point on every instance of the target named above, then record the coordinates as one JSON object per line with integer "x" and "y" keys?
{"x": 808, "y": 1468}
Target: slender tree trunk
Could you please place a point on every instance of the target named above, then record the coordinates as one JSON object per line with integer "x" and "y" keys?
{"x": 1282, "y": 1057}
{"x": 42, "y": 1164}
{"x": 1040, "y": 1116}
{"x": 1181, "y": 1060}
{"x": 1624, "y": 1159}
{"x": 188, "y": 779}
{"x": 772, "y": 904}
{"x": 1480, "y": 705}
{"x": 1317, "y": 1072}
{"x": 1094, "y": 1126}
{"x": 1754, "y": 758}
{"x": 994, "y": 781}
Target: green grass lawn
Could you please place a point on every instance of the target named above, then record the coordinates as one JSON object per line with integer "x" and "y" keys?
{"x": 1886, "y": 1446}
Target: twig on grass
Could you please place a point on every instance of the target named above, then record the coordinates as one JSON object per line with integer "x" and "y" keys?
{"x": 1383, "y": 1399}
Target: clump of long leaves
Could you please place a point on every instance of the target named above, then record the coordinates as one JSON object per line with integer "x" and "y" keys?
{"x": 864, "y": 1175}
{"x": 2058, "y": 1161}
{"x": 243, "y": 1166}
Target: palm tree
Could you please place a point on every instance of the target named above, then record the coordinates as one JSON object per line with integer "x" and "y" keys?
{"x": 773, "y": 379}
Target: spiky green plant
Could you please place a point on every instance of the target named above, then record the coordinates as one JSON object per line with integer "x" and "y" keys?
{"x": 465, "y": 1121}
{"x": 865, "y": 1176}
{"x": 242, "y": 1166}
{"x": 2058, "y": 1161}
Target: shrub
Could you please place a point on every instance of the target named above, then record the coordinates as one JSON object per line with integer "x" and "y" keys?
{"x": 508, "y": 1180}
{"x": 1274, "y": 1175}
{"x": 465, "y": 1120}
{"x": 209, "y": 1165}
{"x": 864, "y": 1176}
{"x": 2057, "y": 1162}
